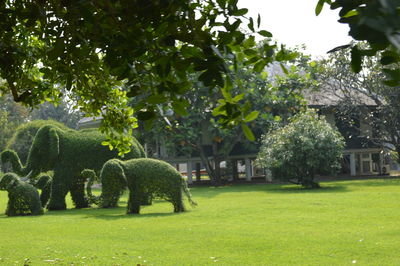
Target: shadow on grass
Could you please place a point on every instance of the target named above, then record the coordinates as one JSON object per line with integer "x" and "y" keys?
{"x": 210, "y": 192}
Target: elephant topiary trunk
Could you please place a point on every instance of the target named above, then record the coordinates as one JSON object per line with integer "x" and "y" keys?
{"x": 142, "y": 176}
{"x": 67, "y": 153}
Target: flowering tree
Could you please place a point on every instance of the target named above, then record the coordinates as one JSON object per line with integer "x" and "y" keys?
{"x": 305, "y": 147}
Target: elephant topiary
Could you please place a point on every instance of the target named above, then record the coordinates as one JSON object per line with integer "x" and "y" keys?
{"x": 23, "y": 198}
{"x": 67, "y": 153}
{"x": 142, "y": 176}
{"x": 22, "y": 139}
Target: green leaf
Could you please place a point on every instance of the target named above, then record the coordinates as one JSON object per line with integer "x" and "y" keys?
{"x": 355, "y": 59}
{"x": 258, "y": 20}
{"x": 147, "y": 115}
{"x": 265, "y": 33}
{"x": 259, "y": 66}
{"x": 319, "y": 7}
{"x": 351, "y": 13}
{"x": 251, "y": 25}
{"x": 247, "y": 132}
{"x": 250, "y": 117}
{"x": 284, "y": 69}
{"x": 180, "y": 108}
{"x": 240, "y": 12}
{"x": 156, "y": 99}
{"x": 219, "y": 110}
{"x": 238, "y": 98}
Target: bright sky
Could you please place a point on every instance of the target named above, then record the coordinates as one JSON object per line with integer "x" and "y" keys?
{"x": 293, "y": 22}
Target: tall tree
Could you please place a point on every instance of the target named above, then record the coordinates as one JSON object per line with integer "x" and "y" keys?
{"x": 104, "y": 52}
{"x": 11, "y": 116}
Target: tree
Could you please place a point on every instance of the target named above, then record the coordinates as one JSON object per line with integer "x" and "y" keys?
{"x": 362, "y": 96}
{"x": 377, "y": 23}
{"x": 11, "y": 116}
{"x": 104, "y": 52}
{"x": 62, "y": 112}
{"x": 198, "y": 133}
{"x": 306, "y": 147}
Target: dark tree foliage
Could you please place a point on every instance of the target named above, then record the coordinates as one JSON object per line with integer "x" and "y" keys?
{"x": 377, "y": 23}
{"x": 141, "y": 176}
{"x": 67, "y": 153}
{"x": 104, "y": 52}
{"x": 23, "y": 198}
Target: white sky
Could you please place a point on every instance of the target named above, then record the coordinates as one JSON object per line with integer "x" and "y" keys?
{"x": 293, "y": 22}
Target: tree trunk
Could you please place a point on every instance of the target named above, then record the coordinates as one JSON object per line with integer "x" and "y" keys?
{"x": 198, "y": 173}
{"x": 235, "y": 171}
{"x": 206, "y": 162}
{"x": 217, "y": 167}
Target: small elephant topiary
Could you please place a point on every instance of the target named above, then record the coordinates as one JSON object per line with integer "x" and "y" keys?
{"x": 23, "y": 198}
{"x": 143, "y": 177}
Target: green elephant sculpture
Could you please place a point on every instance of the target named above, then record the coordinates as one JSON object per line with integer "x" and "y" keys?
{"x": 67, "y": 153}
{"x": 143, "y": 177}
{"x": 23, "y": 198}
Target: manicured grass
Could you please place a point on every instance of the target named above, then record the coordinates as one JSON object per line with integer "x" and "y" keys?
{"x": 345, "y": 223}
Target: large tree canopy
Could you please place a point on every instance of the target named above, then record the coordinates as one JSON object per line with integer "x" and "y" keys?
{"x": 104, "y": 52}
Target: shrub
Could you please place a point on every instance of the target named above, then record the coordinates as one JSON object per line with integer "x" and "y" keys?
{"x": 307, "y": 146}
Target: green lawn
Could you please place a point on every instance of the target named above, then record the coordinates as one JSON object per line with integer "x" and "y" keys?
{"x": 345, "y": 223}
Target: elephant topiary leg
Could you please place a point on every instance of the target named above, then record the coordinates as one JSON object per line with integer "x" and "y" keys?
{"x": 134, "y": 202}
{"x": 10, "y": 211}
{"x": 178, "y": 203}
{"x": 36, "y": 210}
{"x": 78, "y": 195}
{"x": 57, "y": 199}
{"x": 45, "y": 195}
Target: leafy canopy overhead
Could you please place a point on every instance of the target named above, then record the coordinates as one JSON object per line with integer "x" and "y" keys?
{"x": 377, "y": 23}
{"x": 104, "y": 52}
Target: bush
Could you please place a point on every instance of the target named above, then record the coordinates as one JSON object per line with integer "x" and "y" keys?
{"x": 306, "y": 147}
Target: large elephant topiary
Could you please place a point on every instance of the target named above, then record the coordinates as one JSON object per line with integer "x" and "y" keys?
{"x": 142, "y": 176}
{"x": 66, "y": 153}
{"x": 23, "y": 198}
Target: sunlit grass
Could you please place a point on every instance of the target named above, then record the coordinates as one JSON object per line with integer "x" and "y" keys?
{"x": 345, "y": 223}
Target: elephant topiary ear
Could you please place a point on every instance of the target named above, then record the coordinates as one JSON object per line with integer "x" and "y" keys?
{"x": 54, "y": 143}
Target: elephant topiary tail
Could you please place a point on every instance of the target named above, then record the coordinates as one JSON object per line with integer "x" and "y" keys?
{"x": 91, "y": 176}
{"x": 13, "y": 158}
{"x": 187, "y": 193}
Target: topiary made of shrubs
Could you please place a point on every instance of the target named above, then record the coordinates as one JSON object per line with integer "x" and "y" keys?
{"x": 67, "y": 153}
{"x": 142, "y": 176}
{"x": 22, "y": 138}
{"x": 23, "y": 198}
